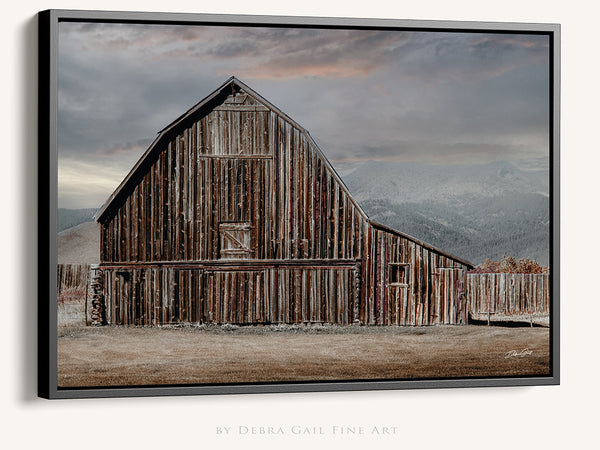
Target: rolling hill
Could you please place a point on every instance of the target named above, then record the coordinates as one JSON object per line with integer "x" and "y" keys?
{"x": 79, "y": 244}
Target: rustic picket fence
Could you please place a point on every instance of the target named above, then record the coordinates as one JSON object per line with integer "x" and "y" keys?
{"x": 73, "y": 291}
{"x": 509, "y": 297}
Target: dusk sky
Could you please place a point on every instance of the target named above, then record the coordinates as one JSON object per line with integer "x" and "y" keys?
{"x": 443, "y": 98}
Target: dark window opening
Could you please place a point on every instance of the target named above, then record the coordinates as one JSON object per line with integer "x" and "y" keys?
{"x": 398, "y": 274}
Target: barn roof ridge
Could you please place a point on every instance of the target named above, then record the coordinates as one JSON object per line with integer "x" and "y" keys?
{"x": 232, "y": 80}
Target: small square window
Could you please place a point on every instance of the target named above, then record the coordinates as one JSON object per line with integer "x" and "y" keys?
{"x": 398, "y": 274}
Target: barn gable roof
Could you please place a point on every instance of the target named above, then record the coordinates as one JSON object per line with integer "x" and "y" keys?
{"x": 204, "y": 106}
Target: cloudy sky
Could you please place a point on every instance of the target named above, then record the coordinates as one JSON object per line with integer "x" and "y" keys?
{"x": 443, "y": 98}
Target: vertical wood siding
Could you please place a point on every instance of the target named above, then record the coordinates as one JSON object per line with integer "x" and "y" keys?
{"x": 242, "y": 166}
{"x": 435, "y": 286}
{"x": 171, "y": 295}
{"x": 234, "y": 166}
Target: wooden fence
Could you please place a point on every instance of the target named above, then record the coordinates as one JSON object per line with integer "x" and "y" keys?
{"x": 73, "y": 291}
{"x": 509, "y": 296}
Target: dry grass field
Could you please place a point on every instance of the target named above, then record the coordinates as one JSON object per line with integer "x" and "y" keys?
{"x": 119, "y": 356}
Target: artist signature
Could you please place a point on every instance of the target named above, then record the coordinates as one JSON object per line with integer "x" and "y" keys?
{"x": 521, "y": 354}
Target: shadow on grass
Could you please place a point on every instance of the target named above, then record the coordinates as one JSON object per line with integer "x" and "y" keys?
{"x": 506, "y": 323}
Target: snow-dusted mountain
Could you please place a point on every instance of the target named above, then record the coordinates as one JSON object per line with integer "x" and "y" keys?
{"x": 475, "y": 212}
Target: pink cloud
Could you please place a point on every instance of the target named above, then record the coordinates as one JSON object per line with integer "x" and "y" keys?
{"x": 277, "y": 71}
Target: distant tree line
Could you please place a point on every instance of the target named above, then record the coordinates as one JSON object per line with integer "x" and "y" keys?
{"x": 509, "y": 264}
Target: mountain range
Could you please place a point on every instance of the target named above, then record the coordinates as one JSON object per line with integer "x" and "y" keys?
{"x": 474, "y": 212}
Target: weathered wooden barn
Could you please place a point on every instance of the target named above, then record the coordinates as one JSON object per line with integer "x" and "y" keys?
{"x": 234, "y": 215}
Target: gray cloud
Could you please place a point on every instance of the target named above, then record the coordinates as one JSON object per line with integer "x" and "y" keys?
{"x": 134, "y": 146}
{"x": 362, "y": 94}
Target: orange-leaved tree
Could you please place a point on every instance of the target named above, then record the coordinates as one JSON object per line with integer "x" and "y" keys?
{"x": 509, "y": 264}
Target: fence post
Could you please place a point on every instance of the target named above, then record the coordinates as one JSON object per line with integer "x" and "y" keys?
{"x": 530, "y": 310}
{"x": 489, "y": 301}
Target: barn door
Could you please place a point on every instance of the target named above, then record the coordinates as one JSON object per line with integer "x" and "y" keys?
{"x": 399, "y": 311}
{"x": 461, "y": 297}
{"x": 234, "y": 296}
{"x": 449, "y": 302}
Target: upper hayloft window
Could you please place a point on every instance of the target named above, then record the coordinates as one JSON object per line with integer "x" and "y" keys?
{"x": 235, "y": 240}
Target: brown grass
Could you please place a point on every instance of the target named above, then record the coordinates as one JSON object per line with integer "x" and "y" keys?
{"x": 116, "y": 356}
{"x": 71, "y": 307}
{"x": 72, "y": 295}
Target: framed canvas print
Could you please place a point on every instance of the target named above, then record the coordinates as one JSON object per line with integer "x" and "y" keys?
{"x": 244, "y": 204}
